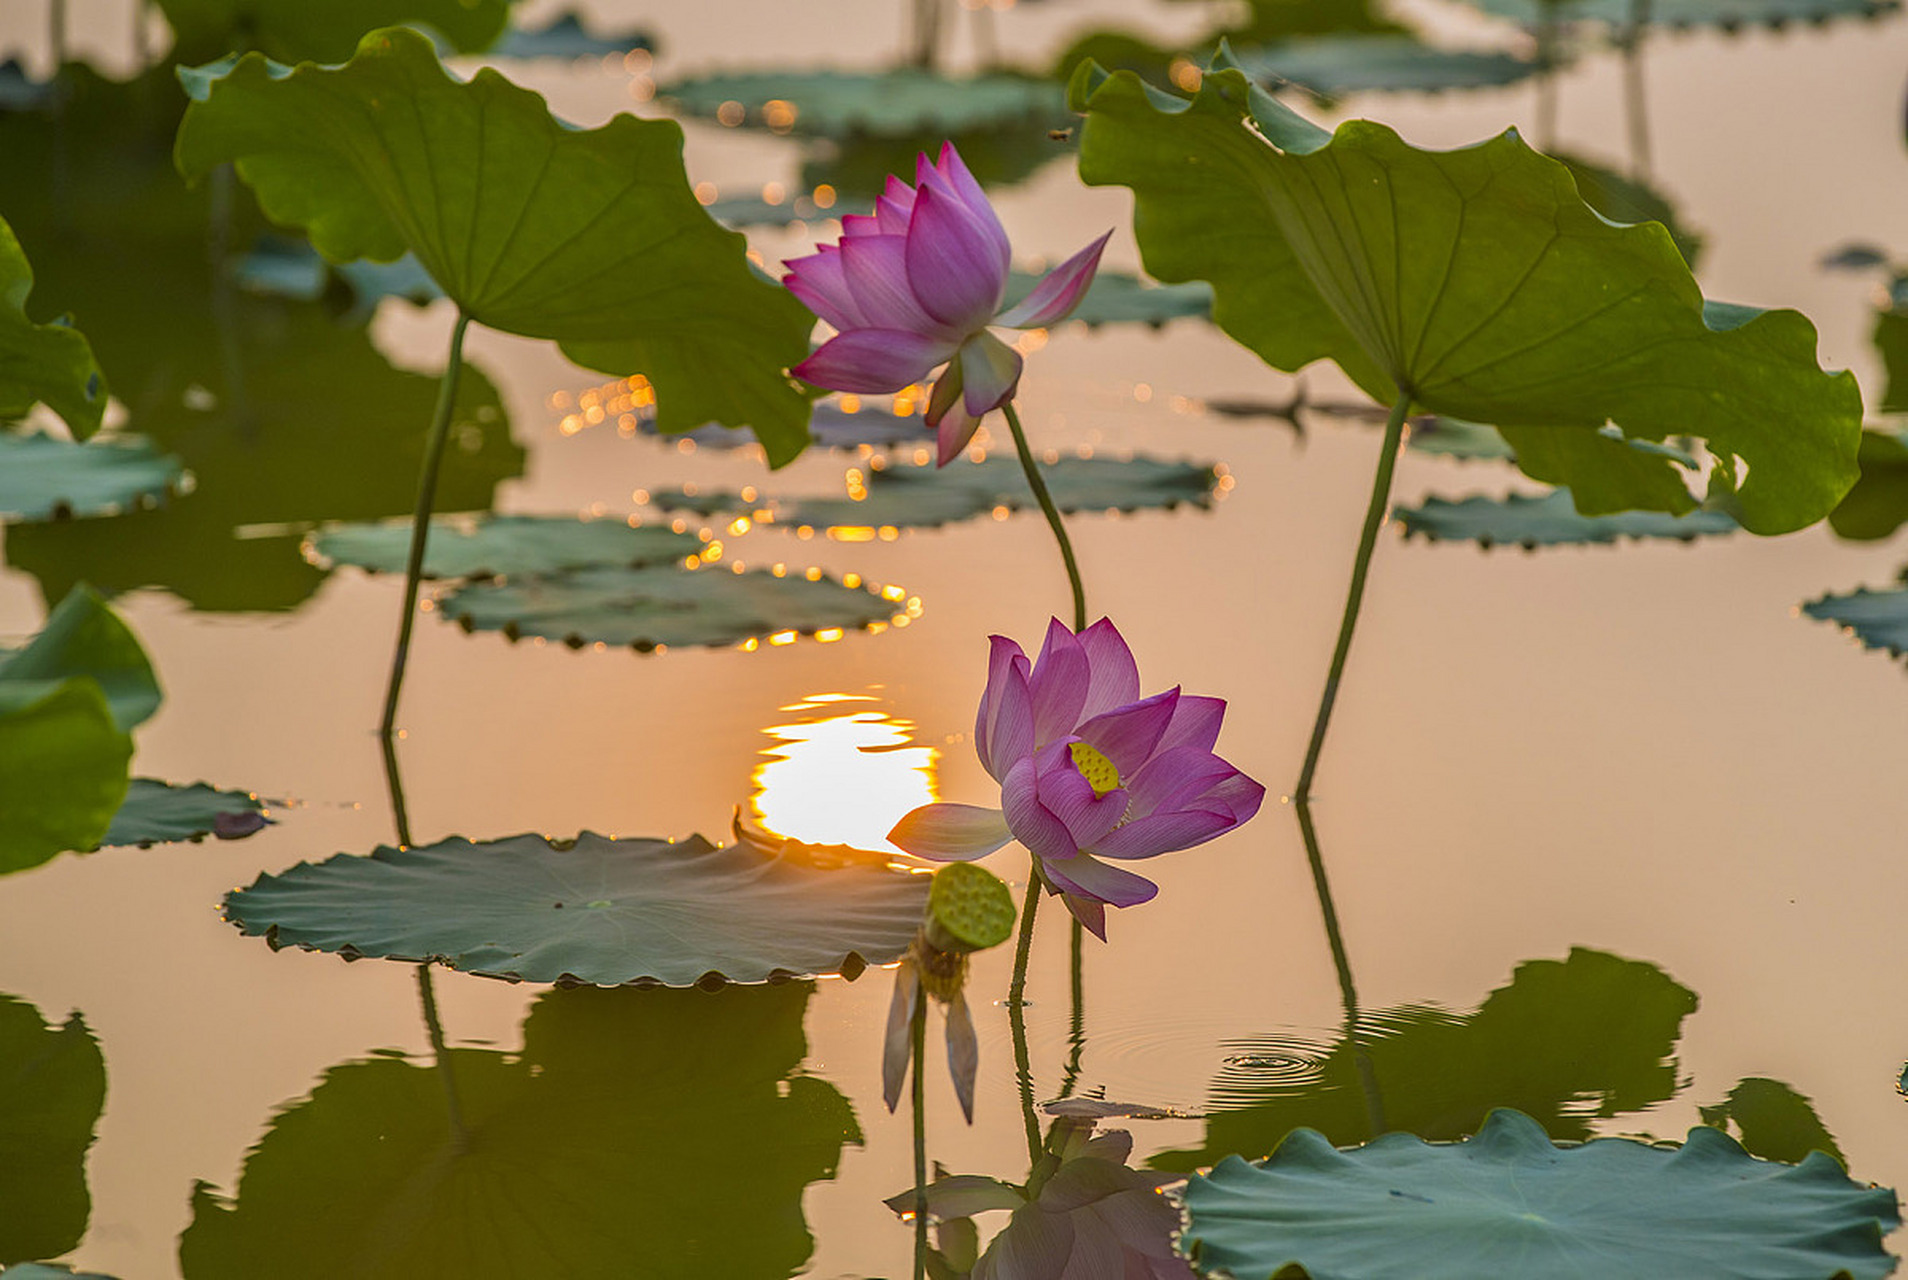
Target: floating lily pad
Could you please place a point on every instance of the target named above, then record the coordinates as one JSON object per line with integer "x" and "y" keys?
{"x": 859, "y": 165}
{"x": 19, "y": 91}
{"x": 593, "y": 910}
{"x": 1549, "y": 520}
{"x": 299, "y": 31}
{"x": 1509, "y": 1203}
{"x": 499, "y": 546}
{"x": 1773, "y": 1122}
{"x": 156, "y": 812}
{"x": 1331, "y": 66}
{"x": 845, "y": 103}
{"x": 43, "y": 478}
{"x": 1115, "y": 297}
{"x": 50, "y": 1271}
{"x": 52, "y": 1089}
{"x": 754, "y": 211}
{"x": 590, "y": 238}
{"x": 49, "y": 363}
{"x": 1728, "y": 15}
{"x": 832, "y": 427}
{"x": 1454, "y": 438}
{"x": 565, "y": 36}
{"x": 662, "y": 606}
{"x": 620, "y": 1141}
{"x": 1879, "y": 619}
{"x": 1478, "y": 279}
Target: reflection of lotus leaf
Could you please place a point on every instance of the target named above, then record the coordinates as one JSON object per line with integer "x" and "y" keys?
{"x": 593, "y": 910}
{"x": 494, "y": 546}
{"x": 1480, "y": 282}
{"x": 1565, "y": 1041}
{"x": 1773, "y": 1121}
{"x": 1548, "y": 520}
{"x": 1509, "y": 1203}
{"x": 42, "y": 362}
{"x": 52, "y": 1087}
{"x": 647, "y": 1135}
{"x": 1879, "y": 619}
{"x": 1331, "y": 66}
{"x": 888, "y": 103}
{"x": 156, "y": 812}
{"x": 42, "y": 478}
{"x": 658, "y": 607}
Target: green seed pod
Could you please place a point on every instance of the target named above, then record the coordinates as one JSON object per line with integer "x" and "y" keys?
{"x": 969, "y": 909}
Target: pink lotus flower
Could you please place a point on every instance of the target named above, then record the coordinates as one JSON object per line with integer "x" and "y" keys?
{"x": 915, "y": 284}
{"x": 1089, "y": 772}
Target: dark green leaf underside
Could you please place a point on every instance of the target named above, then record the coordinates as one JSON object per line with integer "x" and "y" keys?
{"x": 599, "y": 911}
{"x": 1510, "y": 1203}
{"x": 846, "y": 103}
{"x": 156, "y": 812}
{"x": 647, "y": 608}
{"x": 1331, "y": 66}
{"x": 43, "y": 478}
{"x": 499, "y": 546}
{"x": 1550, "y": 520}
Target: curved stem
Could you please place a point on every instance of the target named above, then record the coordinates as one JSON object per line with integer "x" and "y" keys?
{"x": 920, "y": 1137}
{"x": 1045, "y": 499}
{"x": 1017, "y": 1013}
{"x": 421, "y": 524}
{"x": 1374, "y": 518}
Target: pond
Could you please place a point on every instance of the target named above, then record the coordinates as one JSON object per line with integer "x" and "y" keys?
{"x": 1611, "y": 832}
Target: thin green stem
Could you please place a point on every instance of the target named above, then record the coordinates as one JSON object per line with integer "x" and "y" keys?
{"x": 394, "y": 783}
{"x": 421, "y": 524}
{"x": 460, "y": 1136}
{"x": 1045, "y": 499}
{"x": 1017, "y": 1012}
{"x": 1076, "y": 1013}
{"x": 920, "y": 1137}
{"x": 1368, "y": 539}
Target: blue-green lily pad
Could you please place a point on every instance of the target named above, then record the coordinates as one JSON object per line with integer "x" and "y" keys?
{"x": 565, "y": 36}
{"x": 832, "y": 427}
{"x": 1117, "y": 297}
{"x": 1548, "y": 520}
{"x": 52, "y": 1089}
{"x": 19, "y": 91}
{"x": 663, "y": 606}
{"x": 42, "y": 363}
{"x": 1726, "y": 15}
{"x": 1510, "y": 1203}
{"x": 43, "y": 478}
{"x": 503, "y": 546}
{"x": 1879, "y": 619}
{"x": 50, "y": 1271}
{"x": 838, "y": 104}
{"x": 593, "y": 910}
{"x": 156, "y": 812}
{"x": 756, "y": 211}
{"x": 1331, "y": 66}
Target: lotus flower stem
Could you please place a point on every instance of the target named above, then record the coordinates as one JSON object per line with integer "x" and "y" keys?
{"x": 394, "y": 782}
{"x": 1045, "y": 499}
{"x": 919, "y": 1032}
{"x": 1017, "y": 1011}
{"x": 1374, "y": 517}
{"x": 421, "y": 524}
{"x": 459, "y": 1135}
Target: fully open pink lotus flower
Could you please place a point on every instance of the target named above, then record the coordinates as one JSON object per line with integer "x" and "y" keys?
{"x": 1090, "y": 773}
{"x": 915, "y": 285}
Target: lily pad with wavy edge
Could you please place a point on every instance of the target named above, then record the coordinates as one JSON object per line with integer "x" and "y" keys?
{"x": 500, "y": 546}
{"x": 52, "y": 1089}
{"x": 619, "y": 1141}
{"x": 662, "y": 606}
{"x": 1116, "y": 297}
{"x": 590, "y": 238}
{"x": 1879, "y": 619}
{"x": 1728, "y": 15}
{"x": 1478, "y": 282}
{"x": 1331, "y": 66}
{"x": 1549, "y": 520}
{"x": 596, "y": 910}
{"x": 299, "y": 31}
{"x": 156, "y": 812}
{"x": 565, "y": 36}
{"x": 840, "y": 104}
{"x": 43, "y": 478}
{"x": 1508, "y": 1202}
{"x": 832, "y": 427}
{"x": 42, "y": 363}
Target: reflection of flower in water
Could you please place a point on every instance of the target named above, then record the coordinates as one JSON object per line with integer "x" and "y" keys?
{"x": 842, "y": 771}
{"x": 1083, "y": 1215}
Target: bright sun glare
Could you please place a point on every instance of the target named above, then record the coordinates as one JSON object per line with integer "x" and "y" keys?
{"x": 843, "y": 771}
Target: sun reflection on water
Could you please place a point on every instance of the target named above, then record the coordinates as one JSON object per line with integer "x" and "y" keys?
{"x": 841, "y": 771}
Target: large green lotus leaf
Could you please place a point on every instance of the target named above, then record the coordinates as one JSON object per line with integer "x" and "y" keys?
{"x": 1476, "y": 280}
{"x": 83, "y": 637}
{"x": 1879, "y": 619}
{"x": 1566, "y": 1041}
{"x": 300, "y": 31}
{"x": 1509, "y": 1203}
{"x": 592, "y": 910}
{"x": 837, "y": 104}
{"x": 42, "y": 363}
{"x": 565, "y": 36}
{"x": 667, "y": 606}
{"x": 156, "y": 812}
{"x": 1773, "y": 1122}
{"x": 62, "y": 768}
{"x": 52, "y": 1089}
{"x": 1729, "y": 15}
{"x": 1116, "y": 297}
{"x": 499, "y": 546}
{"x": 1550, "y": 520}
{"x": 1624, "y": 199}
{"x": 1331, "y": 66}
{"x": 591, "y": 238}
{"x": 621, "y": 1141}
{"x": 1878, "y": 504}
{"x": 42, "y": 478}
